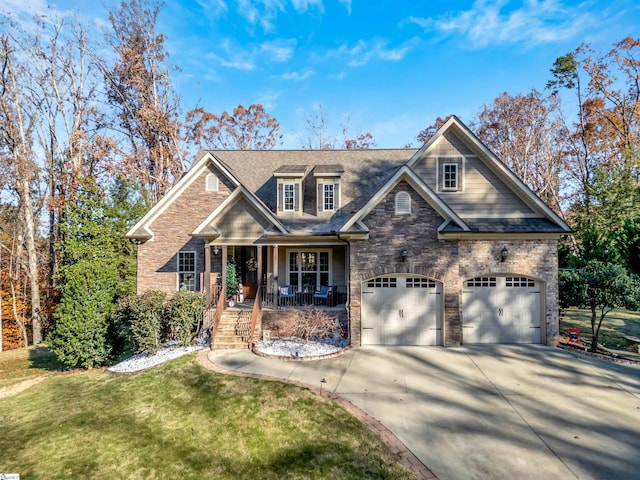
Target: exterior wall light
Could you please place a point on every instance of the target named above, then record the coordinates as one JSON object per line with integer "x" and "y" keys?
{"x": 504, "y": 254}
{"x": 404, "y": 254}
{"x": 215, "y": 250}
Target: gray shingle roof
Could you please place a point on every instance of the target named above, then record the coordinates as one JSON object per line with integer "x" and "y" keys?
{"x": 365, "y": 171}
{"x": 507, "y": 225}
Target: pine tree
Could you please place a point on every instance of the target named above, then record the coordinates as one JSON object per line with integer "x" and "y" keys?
{"x": 88, "y": 278}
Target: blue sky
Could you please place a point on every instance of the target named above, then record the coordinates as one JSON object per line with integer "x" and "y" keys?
{"x": 390, "y": 67}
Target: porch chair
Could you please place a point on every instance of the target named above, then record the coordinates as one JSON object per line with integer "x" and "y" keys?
{"x": 324, "y": 296}
{"x": 286, "y": 295}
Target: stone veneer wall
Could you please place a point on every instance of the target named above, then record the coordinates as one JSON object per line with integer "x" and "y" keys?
{"x": 157, "y": 259}
{"x": 450, "y": 262}
{"x": 380, "y": 255}
{"x": 532, "y": 258}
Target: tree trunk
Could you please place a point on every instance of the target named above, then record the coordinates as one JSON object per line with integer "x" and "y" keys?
{"x": 594, "y": 331}
{"x": 32, "y": 256}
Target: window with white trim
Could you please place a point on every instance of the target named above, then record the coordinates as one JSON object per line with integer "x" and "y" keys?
{"x": 288, "y": 197}
{"x": 187, "y": 271}
{"x": 403, "y": 203}
{"x": 308, "y": 269}
{"x": 212, "y": 183}
{"x": 450, "y": 176}
{"x": 328, "y": 197}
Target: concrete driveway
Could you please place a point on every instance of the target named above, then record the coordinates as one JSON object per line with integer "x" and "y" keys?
{"x": 485, "y": 412}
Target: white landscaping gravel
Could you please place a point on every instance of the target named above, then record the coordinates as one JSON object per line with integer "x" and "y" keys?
{"x": 297, "y": 347}
{"x": 142, "y": 361}
{"x": 281, "y": 347}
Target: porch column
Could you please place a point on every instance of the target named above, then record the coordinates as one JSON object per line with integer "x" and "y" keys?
{"x": 259, "y": 260}
{"x": 207, "y": 273}
{"x": 275, "y": 274}
{"x": 223, "y": 294}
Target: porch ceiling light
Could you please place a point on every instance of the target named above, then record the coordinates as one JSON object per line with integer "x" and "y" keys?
{"x": 504, "y": 254}
{"x": 215, "y": 250}
{"x": 404, "y": 254}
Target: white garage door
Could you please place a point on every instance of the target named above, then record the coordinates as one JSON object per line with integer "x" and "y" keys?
{"x": 401, "y": 310}
{"x": 501, "y": 310}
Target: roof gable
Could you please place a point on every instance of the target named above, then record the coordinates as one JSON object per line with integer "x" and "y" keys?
{"x": 210, "y": 226}
{"x": 141, "y": 230}
{"x": 405, "y": 173}
{"x": 492, "y": 168}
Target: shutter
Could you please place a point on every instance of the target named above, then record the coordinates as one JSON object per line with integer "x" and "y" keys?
{"x": 320, "y": 197}
{"x": 336, "y": 197}
{"x": 280, "y": 197}
{"x": 296, "y": 197}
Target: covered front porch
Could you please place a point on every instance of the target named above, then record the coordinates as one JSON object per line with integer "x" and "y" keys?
{"x": 279, "y": 276}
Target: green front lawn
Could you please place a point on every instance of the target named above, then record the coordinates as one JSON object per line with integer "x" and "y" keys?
{"x": 615, "y": 326}
{"x": 180, "y": 420}
{"x": 26, "y": 363}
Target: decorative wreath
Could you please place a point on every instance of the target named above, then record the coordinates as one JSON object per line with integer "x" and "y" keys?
{"x": 252, "y": 264}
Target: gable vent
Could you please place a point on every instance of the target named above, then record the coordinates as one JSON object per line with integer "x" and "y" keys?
{"x": 403, "y": 203}
{"x": 212, "y": 183}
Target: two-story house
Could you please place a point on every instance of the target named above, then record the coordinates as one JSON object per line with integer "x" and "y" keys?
{"x": 442, "y": 245}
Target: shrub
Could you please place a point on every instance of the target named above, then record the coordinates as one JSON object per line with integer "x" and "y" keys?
{"x": 232, "y": 280}
{"x": 119, "y": 330}
{"x": 79, "y": 334}
{"x": 145, "y": 319}
{"x": 182, "y": 314}
{"x": 314, "y": 323}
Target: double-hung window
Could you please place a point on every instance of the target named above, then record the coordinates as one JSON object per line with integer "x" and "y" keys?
{"x": 288, "y": 198}
{"x": 187, "y": 271}
{"x": 328, "y": 197}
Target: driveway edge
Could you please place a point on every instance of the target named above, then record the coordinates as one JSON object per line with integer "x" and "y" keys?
{"x": 407, "y": 458}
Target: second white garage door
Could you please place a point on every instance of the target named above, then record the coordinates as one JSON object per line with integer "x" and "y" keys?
{"x": 401, "y": 310}
{"x": 501, "y": 310}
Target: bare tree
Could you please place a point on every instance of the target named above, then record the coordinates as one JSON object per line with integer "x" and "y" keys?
{"x": 19, "y": 114}
{"x": 525, "y": 133}
{"x": 250, "y": 128}
{"x": 318, "y": 135}
{"x": 139, "y": 87}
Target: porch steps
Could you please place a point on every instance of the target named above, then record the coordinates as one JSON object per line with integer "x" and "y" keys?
{"x": 233, "y": 330}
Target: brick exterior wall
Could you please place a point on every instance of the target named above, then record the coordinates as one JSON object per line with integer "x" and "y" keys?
{"x": 157, "y": 259}
{"x": 450, "y": 262}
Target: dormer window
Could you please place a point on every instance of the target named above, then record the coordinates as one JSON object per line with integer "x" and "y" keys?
{"x": 288, "y": 197}
{"x": 290, "y": 179}
{"x": 328, "y": 194}
{"x": 328, "y": 197}
{"x": 328, "y": 187}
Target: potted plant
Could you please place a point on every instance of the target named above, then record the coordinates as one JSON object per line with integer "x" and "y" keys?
{"x": 232, "y": 283}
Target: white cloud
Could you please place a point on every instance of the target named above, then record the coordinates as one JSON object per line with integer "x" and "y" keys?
{"x": 269, "y": 100}
{"x": 347, "y": 5}
{"x": 491, "y": 22}
{"x": 364, "y": 51}
{"x": 302, "y": 6}
{"x": 297, "y": 76}
{"x": 20, "y": 7}
{"x": 279, "y": 50}
{"x": 233, "y": 57}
